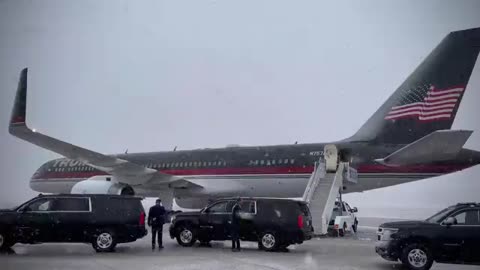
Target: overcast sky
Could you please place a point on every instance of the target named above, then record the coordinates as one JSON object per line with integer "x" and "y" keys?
{"x": 152, "y": 75}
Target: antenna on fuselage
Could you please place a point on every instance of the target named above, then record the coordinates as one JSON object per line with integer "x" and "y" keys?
{"x": 126, "y": 151}
{"x": 175, "y": 149}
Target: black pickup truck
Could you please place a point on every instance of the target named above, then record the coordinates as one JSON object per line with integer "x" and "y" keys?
{"x": 450, "y": 236}
{"x": 273, "y": 223}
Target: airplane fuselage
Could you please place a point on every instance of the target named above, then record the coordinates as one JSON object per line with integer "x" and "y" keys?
{"x": 280, "y": 171}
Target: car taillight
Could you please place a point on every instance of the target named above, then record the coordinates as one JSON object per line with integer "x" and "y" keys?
{"x": 142, "y": 219}
{"x": 300, "y": 221}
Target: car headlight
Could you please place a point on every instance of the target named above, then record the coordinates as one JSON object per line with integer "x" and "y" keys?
{"x": 386, "y": 234}
{"x": 172, "y": 218}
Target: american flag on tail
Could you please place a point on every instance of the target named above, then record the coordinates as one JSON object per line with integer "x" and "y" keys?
{"x": 436, "y": 104}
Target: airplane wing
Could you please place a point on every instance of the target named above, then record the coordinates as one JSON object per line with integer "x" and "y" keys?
{"x": 123, "y": 170}
{"x": 436, "y": 146}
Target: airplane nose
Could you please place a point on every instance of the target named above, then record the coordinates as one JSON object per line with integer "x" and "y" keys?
{"x": 38, "y": 176}
{"x": 35, "y": 180}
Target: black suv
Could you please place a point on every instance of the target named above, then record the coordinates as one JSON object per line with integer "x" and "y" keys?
{"x": 273, "y": 223}
{"x": 450, "y": 236}
{"x": 103, "y": 220}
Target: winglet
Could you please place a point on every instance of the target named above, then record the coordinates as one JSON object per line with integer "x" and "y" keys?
{"x": 20, "y": 105}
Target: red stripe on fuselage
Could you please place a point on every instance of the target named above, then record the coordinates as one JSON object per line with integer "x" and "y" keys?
{"x": 372, "y": 168}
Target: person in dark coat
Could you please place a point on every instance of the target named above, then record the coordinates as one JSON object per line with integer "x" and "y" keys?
{"x": 235, "y": 226}
{"x": 156, "y": 219}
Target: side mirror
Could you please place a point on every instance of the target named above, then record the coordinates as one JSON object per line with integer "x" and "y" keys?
{"x": 450, "y": 221}
{"x": 354, "y": 210}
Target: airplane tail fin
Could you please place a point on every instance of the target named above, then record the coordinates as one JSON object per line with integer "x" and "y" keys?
{"x": 429, "y": 98}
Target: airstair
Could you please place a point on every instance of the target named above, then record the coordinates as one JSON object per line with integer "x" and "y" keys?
{"x": 324, "y": 186}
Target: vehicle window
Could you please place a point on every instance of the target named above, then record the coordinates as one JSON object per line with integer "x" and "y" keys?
{"x": 438, "y": 216}
{"x": 348, "y": 207}
{"x": 304, "y": 209}
{"x": 218, "y": 208}
{"x": 71, "y": 204}
{"x": 40, "y": 205}
{"x": 336, "y": 212}
{"x": 469, "y": 217}
{"x": 230, "y": 205}
{"x": 248, "y": 206}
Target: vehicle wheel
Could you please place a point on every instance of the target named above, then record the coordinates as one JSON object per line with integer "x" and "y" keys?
{"x": 417, "y": 256}
{"x": 341, "y": 232}
{"x": 268, "y": 241}
{"x": 5, "y": 241}
{"x": 105, "y": 241}
{"x": 186, "y": 236}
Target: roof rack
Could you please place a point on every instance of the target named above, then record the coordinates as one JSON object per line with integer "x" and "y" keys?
{"x": 468, "y": 203}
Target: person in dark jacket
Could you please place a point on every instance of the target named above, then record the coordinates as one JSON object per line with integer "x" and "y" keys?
{"x": 235, "y": 226}
{"x": 156, "y": 219}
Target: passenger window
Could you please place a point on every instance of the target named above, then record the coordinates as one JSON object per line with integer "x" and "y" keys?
{"x": 71, "y": 204}
{"x": 230, "y": 205}
{"x": 218, "y": 208}
{"x": 248, "y": 207}
{"x": 469, "y": 217}
{"x": 40, "y": 205}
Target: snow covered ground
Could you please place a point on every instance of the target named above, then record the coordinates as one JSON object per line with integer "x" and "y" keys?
{"x": 352, "y": 252}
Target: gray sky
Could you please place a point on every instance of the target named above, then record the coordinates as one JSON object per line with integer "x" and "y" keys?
{"x": 149, "y": 75}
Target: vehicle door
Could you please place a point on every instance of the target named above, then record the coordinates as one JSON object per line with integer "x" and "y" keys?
{"x": 35, "y": 222}
{"x": 351, "y": 216}
{"x": 474, "y": 240}
{"x": 215, "y": 220}
{"x": 458, "y": 240}
{"x": 247, "y": 214}
{"x": 71, "y": 217}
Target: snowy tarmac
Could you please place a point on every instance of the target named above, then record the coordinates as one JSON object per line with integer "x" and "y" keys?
{"x": 351, "y": 252}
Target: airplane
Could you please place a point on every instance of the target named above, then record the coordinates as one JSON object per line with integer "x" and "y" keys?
{"x": 408, "y": 138}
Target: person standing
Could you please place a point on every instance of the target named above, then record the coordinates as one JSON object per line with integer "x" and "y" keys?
{"x": 156, "y": 219}
{"x": 235, "y": 226}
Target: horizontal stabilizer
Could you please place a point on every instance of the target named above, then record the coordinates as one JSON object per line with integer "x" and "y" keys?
{"x": 436, "y": 146}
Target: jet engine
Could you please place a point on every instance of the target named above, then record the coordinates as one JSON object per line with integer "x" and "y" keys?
{"x": 102, "y": 185}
